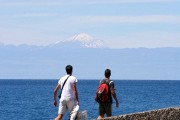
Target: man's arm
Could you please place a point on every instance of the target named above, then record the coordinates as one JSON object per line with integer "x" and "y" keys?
{"x": 75, "y": 92}
{"x": 55, "y": 93}
{"x": 115, "y": 97}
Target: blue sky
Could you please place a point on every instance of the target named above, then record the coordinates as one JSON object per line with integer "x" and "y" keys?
{"x": 119, "y": 23}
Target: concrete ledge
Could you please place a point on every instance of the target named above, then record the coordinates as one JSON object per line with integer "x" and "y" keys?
{"x": 161, "y": 114}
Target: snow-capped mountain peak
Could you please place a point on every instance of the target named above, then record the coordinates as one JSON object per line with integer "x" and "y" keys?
{"x": 83, "y": 37}
{"x": 87, "y": 41}
{"x": 81, "y": 40}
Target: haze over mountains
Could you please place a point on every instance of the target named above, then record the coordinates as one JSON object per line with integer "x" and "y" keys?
{"x": 90, "y": 57}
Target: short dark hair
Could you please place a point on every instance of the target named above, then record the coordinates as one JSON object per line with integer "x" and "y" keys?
{"x": 69, "y": 69}
{"x": 107, "y": 73}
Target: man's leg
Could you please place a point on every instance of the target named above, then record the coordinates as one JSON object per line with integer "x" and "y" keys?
{"x": 62, "y": 109}
{"x": 101, "y": 111}
{"x": 71, "y": 105}
{"x": 100, "y": 117}
{"x": 59, "y": 117}
{"x": 108, "y": 109}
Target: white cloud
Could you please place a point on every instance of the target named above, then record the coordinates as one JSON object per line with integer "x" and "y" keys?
{"x": 34, "y": 3}
{"x": 94, "y": 2}
{"x": 31, "y": 15}
{"x": 129, "y": 19}
{"x": 135, "y": 1}
{"x": 36, "y": 15}
{"x": 103, "y": 19}
{"x": 17, "y": 3}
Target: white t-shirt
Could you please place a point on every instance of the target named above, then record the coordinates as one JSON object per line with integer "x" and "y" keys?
{"x": 67, "y": 92}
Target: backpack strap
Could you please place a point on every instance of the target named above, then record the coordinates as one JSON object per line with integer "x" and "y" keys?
{"x": 63, "y": 86}
{"x": 108, "y": 82}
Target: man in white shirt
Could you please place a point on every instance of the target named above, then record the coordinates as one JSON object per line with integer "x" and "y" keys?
{"x": 69, "y": 95}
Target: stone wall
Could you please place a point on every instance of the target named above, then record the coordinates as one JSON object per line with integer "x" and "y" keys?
{"x": 161, "y": 114}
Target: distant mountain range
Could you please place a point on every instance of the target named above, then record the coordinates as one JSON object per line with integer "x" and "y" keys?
{"x": 90, "y": 58}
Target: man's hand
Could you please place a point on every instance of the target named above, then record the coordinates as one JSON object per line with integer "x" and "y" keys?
{"x": 55, "y": 93}
{"x": 55, "y": 103}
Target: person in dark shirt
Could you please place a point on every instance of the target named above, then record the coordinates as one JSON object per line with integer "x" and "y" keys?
{"x": 106, "y": 108}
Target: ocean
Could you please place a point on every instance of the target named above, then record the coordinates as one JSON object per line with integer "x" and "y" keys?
{"x": 33, "y": 99}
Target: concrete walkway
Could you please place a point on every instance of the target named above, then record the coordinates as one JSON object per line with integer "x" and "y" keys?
{"x": 161, "y": 114}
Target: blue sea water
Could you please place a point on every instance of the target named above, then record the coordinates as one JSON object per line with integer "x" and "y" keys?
{"x": 33, "y": 99}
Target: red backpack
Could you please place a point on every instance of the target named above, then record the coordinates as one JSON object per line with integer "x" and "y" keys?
{"x": 102, "y": 93}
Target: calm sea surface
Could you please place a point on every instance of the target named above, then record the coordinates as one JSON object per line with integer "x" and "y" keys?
{"x": 33, "y": 99}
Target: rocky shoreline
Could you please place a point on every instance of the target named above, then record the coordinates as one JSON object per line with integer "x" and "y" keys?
{"x": 160, "y": 114}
